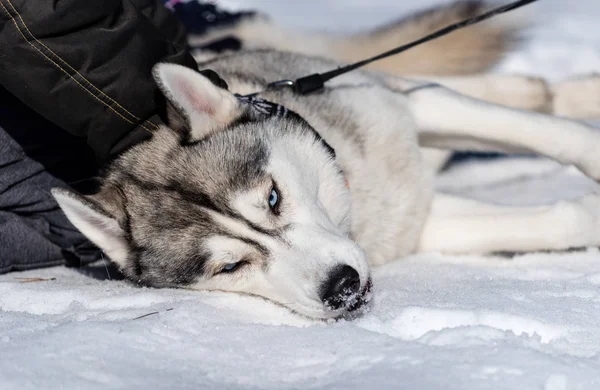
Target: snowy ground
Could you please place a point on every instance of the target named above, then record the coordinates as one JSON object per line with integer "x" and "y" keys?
{"x": 439, "y": 322}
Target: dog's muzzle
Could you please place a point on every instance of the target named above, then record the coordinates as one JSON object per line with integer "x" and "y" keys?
{"x": 342, "y": 290}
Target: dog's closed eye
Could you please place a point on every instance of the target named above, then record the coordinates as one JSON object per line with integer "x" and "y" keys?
{"x": 232, "y": 267}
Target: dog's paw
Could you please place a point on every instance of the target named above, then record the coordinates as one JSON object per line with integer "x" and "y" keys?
{"x": 583, "y": 223}
{"x": 578, "y": 98}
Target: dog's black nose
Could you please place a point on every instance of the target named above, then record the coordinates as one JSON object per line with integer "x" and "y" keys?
{"x": 341, "y": 287}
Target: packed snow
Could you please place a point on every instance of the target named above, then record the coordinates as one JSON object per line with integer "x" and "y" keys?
{"x": 437, "y": 322}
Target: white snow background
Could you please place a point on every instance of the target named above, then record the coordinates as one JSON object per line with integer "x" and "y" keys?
{"x": 438, "y": 322}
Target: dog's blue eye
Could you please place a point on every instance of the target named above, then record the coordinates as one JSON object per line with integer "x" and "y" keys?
{"x": 273, "y": 199}
{"x": 231, "y": 266}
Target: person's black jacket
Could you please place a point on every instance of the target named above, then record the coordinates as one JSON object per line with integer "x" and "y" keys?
{"x": 85, "y": 65}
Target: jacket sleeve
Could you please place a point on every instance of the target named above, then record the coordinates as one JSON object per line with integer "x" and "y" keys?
{"x": 86, "y": 65}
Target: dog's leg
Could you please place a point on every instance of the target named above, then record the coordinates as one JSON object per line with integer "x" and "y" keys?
{"x": 449, "y": 120}
{"x": 464, "y": 226}
{"x": 528, "y": 93}
{"x": 575, "y": 98}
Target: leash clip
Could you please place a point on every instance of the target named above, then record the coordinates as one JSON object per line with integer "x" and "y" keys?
{"x": 274, "y": 86}
{"x": 303, "y": 85}
{"x": 280, "y": 84}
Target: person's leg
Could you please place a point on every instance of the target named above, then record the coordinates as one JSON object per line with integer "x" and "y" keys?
{"x": 33, "y": 230}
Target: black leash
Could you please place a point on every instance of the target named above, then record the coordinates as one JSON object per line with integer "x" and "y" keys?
{"x": 316, "y": 81}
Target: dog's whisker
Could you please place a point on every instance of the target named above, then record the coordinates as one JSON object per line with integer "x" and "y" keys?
{"x": 105, "y": 266}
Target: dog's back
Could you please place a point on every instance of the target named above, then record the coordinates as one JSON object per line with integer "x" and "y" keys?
{"x": 474, "y": 49}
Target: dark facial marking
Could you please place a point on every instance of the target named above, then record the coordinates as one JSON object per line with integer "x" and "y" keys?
{"x": 295, "y": 117}
{"x": 258, "y": 246}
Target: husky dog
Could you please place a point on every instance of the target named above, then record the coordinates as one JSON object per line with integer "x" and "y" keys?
{"x": 294, "y": 197}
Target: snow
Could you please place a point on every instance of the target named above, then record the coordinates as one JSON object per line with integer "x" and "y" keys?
{"x": 438, "y": 322}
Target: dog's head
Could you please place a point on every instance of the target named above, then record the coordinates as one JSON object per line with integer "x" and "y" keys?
{"x": 236, "y": 195}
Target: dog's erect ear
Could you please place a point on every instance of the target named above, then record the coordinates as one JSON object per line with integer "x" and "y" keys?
{"x": 100, "y": 227}
{"x": 205, "y": 107}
